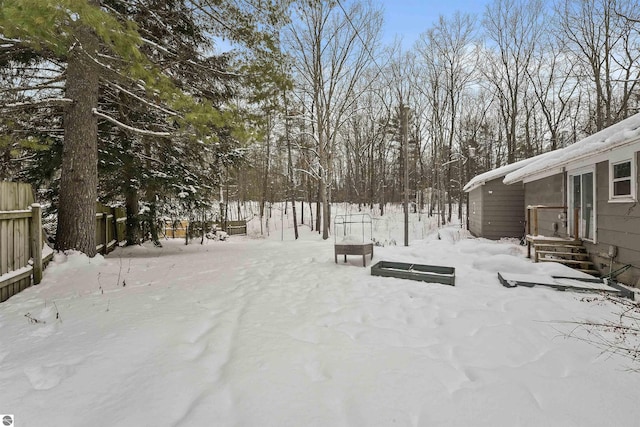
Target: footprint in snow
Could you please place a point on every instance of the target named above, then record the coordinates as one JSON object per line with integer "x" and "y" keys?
{"x": 316, "y": 372}
{"x": 48, "y": 377}
{"x": 45, "y": 331}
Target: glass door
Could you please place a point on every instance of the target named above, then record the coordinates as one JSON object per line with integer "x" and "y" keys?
{"x": 582, "y": 197}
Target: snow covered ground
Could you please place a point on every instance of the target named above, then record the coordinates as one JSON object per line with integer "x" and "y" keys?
{"x": 264, "y": 332}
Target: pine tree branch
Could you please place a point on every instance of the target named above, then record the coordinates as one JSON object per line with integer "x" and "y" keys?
{"x": 190, "y": 61}
{"x": 130, "y": 128}
{"x": 46, "y": 102}
{"x": 8, "y": 40}
{"x": 49, "y": 84}
{"x": 141, "y": 99}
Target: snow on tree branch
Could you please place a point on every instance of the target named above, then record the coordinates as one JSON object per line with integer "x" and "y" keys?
{"x": 46, "y": 102}
{"x": 129, "y": 128}
{"x": 139, "y": 98}
{"x": 49, "y": 84}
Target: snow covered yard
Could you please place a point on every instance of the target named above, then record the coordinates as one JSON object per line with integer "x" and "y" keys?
{"x": 254, "y": 332}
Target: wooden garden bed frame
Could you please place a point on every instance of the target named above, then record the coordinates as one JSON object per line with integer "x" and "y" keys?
{"x": 360, "y": 221}
{"x": 363, "y": 249}
{"x": 421, "y": 272}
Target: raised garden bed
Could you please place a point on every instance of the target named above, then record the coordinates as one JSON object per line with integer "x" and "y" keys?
{"x": 420, "y": 272}
{"x": 345, "y": 249}
{"x": 355, "y": 231}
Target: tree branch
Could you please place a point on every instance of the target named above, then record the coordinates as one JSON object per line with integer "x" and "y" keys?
{"x": 46, "y": 102}
{"x": 139, "y": 98}
{"x": 130, "y": 128}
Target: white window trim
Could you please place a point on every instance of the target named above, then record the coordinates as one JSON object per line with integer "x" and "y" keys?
{"x": 633, "y": 197}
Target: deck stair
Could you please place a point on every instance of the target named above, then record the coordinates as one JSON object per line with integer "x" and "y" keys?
{"x": 570, "y": 253}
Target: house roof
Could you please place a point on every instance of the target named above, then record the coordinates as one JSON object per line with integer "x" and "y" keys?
{"x": 502, "y": 171}
{"x": 617, "y": 135}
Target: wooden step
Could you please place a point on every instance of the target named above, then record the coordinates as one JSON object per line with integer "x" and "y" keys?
{"x": 568, "y": 262}
{"x": 567, "y": 254}
{"x": 562, "y": 246}
{"x": 550, "y": 241}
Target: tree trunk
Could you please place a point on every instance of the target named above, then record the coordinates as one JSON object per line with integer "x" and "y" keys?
{"x": 292, "y": 192}
{"x": 460, "y": 191}
{"x": 132, "y": 227}
{"x": 326, "y": 210}
{"x": 151, "y": 199}
{"x": 265, "y": 177}
{"x": 79, "y": 176}
{"x": 292, "y": 189}
{"x": 318, "y": 202}
{"x": 153, "y": 229}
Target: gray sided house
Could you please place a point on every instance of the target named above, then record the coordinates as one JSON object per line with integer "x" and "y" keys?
{"x": 496, "y": 210}
{"x": 596, "y": 181}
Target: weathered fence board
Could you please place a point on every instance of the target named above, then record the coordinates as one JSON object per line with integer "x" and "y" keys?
{"x": 4, "y": 247}
{"x": 176, "y": 229}
{"x": 21, "y": 239}
{"x": 110, "y": 227}
{"x": 236, "y": 228}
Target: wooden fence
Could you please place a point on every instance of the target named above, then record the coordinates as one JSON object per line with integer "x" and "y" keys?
{"x": 175, "y": 229}
{"x": 21, "y": 239}
{"x": 179, "y": 228}
{"x": 110, "y": 227}
{"x": 236, "y": 228}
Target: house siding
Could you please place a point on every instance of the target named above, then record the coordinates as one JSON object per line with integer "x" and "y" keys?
{"x": 499, "y": 210}
{"x": 618, "y": 224}
{"x": 475, "y": 211}
{"x": 549, "y": 192}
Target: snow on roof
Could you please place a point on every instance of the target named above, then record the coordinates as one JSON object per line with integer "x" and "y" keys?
{"x": 483, "y": 178}
{"x": 607, "y": 139}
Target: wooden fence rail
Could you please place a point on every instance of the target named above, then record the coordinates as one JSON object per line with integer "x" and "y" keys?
{"x": 179, "y": 228}
{"x": 532, "y": 218}
{"x": 532, "y": 223}
{"x": 21, "y": 239}
{"x": 110, "y": 227}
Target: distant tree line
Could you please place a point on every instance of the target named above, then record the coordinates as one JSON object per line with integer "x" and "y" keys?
{"x": 131, "y": 101}
{"x": 523, "y": 78}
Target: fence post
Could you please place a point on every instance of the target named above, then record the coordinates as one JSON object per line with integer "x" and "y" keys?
{"x": 36, "y": 242}
{"x": 105, "y": 218}
{"x": 114, "y": 223}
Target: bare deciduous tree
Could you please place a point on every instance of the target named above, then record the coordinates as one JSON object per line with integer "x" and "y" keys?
{"x": 604, "y": 45}
{"x": 555, "y": 84}
{"x": 331, "y": 48}
{"x": 449, "y": 54}
{"x": 514, "y": 27}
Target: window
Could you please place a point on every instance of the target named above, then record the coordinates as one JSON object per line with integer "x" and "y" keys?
{"x": 622, "y": 179}
{"x": 622, "y": 185}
